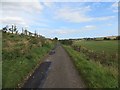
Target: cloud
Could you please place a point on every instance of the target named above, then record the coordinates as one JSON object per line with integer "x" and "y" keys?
{"x": 74, "y": 0}
{"x": 90, "y": 27}
{"x": 103, "y": 18}
{"x": 115, "y": 6}
{"x": 13, "y": 20}
{"x": 66, "y": 31}
{"x": 19, "y": 12}
{"x": 48, "y": 4}
{"x": 19, "y": 1}
{"x": 18, "y": 7}
{"x": 76, "y": 15}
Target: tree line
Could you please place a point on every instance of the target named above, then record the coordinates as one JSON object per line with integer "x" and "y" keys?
{"x": 14, "y": 30}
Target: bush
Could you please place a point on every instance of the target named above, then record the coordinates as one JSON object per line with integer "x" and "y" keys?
{"x": 105, "y": 38}
{"x": 118, "y": 38}
{"x": 66, "y": 42}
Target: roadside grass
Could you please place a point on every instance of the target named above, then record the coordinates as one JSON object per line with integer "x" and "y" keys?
{"x": 95, "y": 75}
{"x": 20, "y": 57}
{"x": 105, "y": 52}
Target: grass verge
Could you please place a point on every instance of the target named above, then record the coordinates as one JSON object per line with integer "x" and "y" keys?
{"x": 14, "y": 71}
{"x": 93, "y": 73}
{"x": 20, "y": 55}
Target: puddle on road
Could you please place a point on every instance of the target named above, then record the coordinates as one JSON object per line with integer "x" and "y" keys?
{"x": 37, "y": 78}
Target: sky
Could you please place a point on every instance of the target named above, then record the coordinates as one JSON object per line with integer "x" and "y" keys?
{"x": 62, "y": 19}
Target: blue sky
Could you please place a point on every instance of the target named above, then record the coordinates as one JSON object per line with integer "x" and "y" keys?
{"x": 63, "y": 19}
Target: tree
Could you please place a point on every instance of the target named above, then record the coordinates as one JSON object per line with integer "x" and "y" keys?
{"x": 56, "y": 38}
{"x": 35, "y": 34}
{"x": 105, "y": 38}
{"x": 12, "y": 29}
{"x": 5, "y": 29}
{"x": 118, "y": 38}
{"x": 16, "y": 32}
{"x": 25, "y": 32}
{"x": 30, "y": 34}
{"x": 15, "y": 29}
{"x": 22, "y": 30}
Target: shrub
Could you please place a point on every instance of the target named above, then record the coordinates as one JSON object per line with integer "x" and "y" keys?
{"x": 66, "y": 42}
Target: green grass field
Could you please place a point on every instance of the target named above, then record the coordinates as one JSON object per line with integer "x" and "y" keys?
{"x": 105, "y": 52}
{"x": 20, "y": 55}
{"x": 94, "y": 74}
{"x": 110, "y": 47}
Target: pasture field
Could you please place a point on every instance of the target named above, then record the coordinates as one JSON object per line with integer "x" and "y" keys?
{"x": 20, "y": 55}
{"x": 109, "y": 46}
{"x": 105, "y": 52}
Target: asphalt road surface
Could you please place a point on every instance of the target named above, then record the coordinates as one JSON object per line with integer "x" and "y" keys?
{"x": 57, "y": 71}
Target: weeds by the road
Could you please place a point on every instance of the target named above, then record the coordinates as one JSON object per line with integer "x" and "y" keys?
{"x": 20, "y": 54}
{"x": 95, "y": 75}
{"x": 105, "y": 52}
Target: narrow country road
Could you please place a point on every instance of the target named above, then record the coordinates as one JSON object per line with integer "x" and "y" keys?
{"x": 60, "y": 73}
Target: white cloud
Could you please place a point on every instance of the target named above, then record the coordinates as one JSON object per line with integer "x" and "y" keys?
{"x": 19, "y": 12}
{"x": 90, "y": 27}
{"x": 48, "y": 4}
{"x": 13, "y": 20}
{"x": 115, "y": 6}
{"x": 66, "y": 31}
{"x": 19, "y": 1}
{"x": 60, "y": 0}
{"x": 73, "y": 15}
{"x": 16, "y": 7}
{"x": 104, "y": 18}
{"x": 78, "y": 15}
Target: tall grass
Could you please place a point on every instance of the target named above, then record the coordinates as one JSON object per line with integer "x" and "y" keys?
{"x": 95, "y": 75}
{"x": 104, "y": 52}
{"x": 20, "y": 57}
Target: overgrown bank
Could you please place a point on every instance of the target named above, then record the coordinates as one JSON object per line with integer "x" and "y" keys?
{"x": 95, "y": 75}
{"x": 20, "y": 54}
